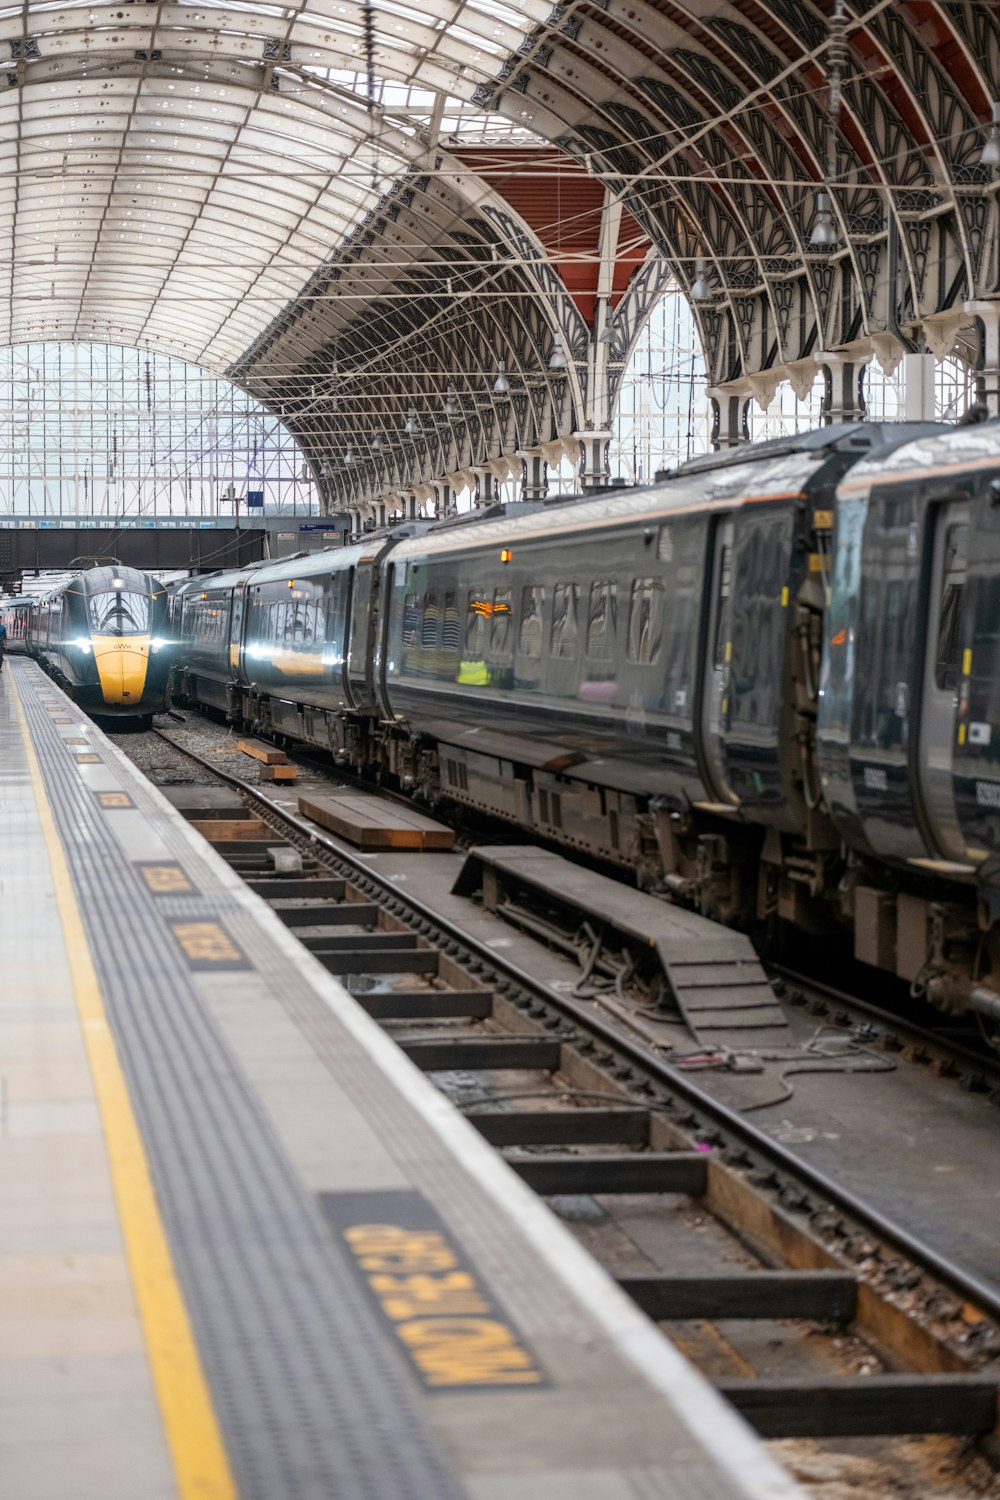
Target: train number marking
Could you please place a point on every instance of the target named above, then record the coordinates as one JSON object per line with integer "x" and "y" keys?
{"x": 164, "y": 879}
{"x": 452, "y": 1330}
{"x": 988, "y": 793}
{"x": 113, "y": 800}
{"x": 876, "y": 779}
{"x": 208, "y": 946}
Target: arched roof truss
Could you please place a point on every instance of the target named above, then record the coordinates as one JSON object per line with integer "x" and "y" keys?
{"x": 209, "y": 180}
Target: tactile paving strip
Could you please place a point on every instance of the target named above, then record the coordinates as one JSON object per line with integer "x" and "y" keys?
{"x": 313, "y": 1402}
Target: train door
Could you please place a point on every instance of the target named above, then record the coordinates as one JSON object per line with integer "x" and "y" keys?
{"x": 717, "y": 661}
{"x": 361, "y": 636}
{"x": 236, "y": 629}
{"x": 942, "y": 669}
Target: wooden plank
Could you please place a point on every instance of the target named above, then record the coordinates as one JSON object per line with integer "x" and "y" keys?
{"x": 821, "y": 1296}
{"x": 867, "y": 1405}
{"x": 633, "y": 1172}
{"x": 561, "y": 1127}
{"x": 281, "y": 890}
{"x": 268, "y": 755}
{"x": 478, "y": 1054}
{"x": 279, "y": 773}
{"x": 232, "y": 830}
{"x": 373, "y": 823}
{"x": 322, "y": 914}
{"x": 343, "y": 942}
{"x": 426, "y": 1005}
{"x": 380, "y": 960}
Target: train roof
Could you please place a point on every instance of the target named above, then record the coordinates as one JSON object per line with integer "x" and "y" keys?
{"x": 770, "y": 471}
{"x": 304, "y": 564}
{"x": 946, "y": 449}
{"x": 837, "y": 437}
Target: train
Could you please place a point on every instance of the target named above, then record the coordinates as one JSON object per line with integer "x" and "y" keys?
{"x": 103, "y": 635}
{"x": 766, "y": 686}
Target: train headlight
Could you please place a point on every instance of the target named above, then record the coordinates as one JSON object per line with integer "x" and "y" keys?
{"x": 82, "y": 644}
{"x": 157, "y": 642}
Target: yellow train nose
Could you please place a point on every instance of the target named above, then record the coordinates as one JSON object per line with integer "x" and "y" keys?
{"x": 121, "y": 667}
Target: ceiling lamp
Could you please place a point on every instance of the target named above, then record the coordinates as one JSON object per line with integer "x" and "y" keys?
{"x": 824, "y": 231}
{"x": 450, "y": 406}
{"x": 501, "y": 386}
{"x": 701, "y": 291}
{"x": 990, "y": 155}
{"x": 412, "y": 423}
{"x": 557, "y": 359}
{"x": 349, "y": 456}
{"x": 376, "y": 444}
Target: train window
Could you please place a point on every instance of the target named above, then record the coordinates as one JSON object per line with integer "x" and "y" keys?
{"x": 645, "y": 621}
{"x": 565, "y": 630}
{"x": 602, "y": 620}
{"x": 949, "y": 640}
{"x": 411, "y": 619}
{"x": 529, "y": 640}
{"x": 500, "y": 625}
{"x": 431, "y": 621}
{"x": 721, "y": 612}
{"x": 452, "y": 631}
{"x": 478, "y": 610}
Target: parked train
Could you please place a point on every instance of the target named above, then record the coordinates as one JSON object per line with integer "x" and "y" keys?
{"x": 103, "y": 637}
{"x": 768, "y": 686}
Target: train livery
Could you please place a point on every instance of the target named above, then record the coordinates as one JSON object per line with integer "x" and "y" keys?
{"x": 768, "y": 686}
{"x": 103, "y": 636}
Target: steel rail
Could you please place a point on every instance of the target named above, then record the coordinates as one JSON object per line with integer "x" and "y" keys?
{"x": 985, "y": 1295}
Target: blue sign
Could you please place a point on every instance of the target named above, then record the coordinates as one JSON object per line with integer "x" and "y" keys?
{"x": 255, "y": 499}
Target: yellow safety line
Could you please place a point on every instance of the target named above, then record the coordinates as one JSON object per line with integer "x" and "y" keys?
{"x": 199, "y": 1457}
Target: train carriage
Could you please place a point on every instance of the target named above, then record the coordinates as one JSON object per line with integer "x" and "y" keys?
{"x": 658, "y": 647}
{"x": 766, "y": 686}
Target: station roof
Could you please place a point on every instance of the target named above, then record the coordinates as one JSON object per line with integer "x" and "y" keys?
{"x": 416, "y": 191}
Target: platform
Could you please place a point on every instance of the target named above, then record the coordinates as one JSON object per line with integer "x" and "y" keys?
{"x": 246, "y": 1249}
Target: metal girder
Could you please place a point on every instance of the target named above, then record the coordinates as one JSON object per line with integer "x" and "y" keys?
{"x": 175, "y": 176}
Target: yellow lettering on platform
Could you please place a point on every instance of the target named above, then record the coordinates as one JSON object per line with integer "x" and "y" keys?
{"x": 454, "y": 1294}
{"x": 467, "y": 1351}
{"x": 114, "y": 799}
{"x": 206, "y": 942}
{"x": 389, "y": 1247}
{"x": 165, "y": 880}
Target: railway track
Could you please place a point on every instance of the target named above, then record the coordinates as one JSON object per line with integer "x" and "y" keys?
{"x": 817, "y": 1317}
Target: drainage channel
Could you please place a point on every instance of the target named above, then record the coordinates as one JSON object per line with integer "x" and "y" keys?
{"x": 814, "y": 1316}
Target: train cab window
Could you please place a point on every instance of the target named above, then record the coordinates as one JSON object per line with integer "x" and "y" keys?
{"x": 602, "y": 620}
{"x": 478, "y": 611}
{"x": 949, "y": 639}
{"x": 119, "y": 613}
{"x": 500, "y": 633}
{"x": 721, "y": 612}
{"x": 529, "y": 640}
{"x": 565, "y": 630}
{"x": 645, "y": 621}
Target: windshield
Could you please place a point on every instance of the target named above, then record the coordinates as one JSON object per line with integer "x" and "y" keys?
{"x": 119, "y": 613}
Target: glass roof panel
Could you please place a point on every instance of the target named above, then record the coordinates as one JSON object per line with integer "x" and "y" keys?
{"x": 178, "y": 174}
